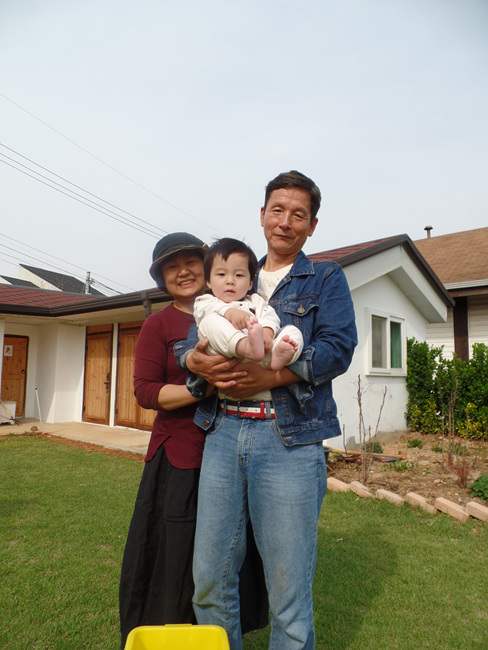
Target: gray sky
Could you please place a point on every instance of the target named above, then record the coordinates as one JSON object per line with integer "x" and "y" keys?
{"x": 179, "y": 113}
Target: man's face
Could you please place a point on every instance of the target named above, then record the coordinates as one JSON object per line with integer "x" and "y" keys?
{"x": 286, "y": 220}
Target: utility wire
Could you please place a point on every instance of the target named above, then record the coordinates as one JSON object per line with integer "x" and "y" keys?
{"x": 93, "y": 207}
{"x": 76, "y": 275}
{"x": 72, "y": 194}
{"x": 74, "y": 185}
{"x": 59, "y": 260}
{"x": 107, "y": 165}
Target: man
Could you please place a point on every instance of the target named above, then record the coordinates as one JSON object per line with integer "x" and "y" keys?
{"x": 263, "y": 455}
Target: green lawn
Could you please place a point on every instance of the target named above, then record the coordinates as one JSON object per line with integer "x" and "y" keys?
{"x": 387, "y": 577}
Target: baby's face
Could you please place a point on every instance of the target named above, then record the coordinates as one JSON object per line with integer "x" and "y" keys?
{"x": 230, "y": 279}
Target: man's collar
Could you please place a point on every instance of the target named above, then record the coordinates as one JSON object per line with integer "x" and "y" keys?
{"x": 301, "y": 266}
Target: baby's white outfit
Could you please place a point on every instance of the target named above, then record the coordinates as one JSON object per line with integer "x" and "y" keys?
{"x": 223, "y": 336}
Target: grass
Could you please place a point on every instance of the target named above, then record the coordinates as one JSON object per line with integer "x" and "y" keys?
{"x": 386, "y": 577}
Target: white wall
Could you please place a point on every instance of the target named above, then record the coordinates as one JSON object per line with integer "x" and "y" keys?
{"x": 442, "y": 334}
{"x": 55, "y": 363}
{"x": 2, "y": 330}
{"x": 383, "y": 295}
{"x": 60, "y": 372}
{"x": 478, "y": 319}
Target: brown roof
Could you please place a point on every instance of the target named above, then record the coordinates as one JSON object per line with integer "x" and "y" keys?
{"x": 42, "y": 302}
{"x": 339, "y": 254}
{"x": 353, "y": 254}
{"x": 22, "y": 296}
{"x": 458, "y": 257}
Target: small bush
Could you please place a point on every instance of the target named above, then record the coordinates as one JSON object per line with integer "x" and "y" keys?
{"x": 480, "y": 487}
{"x": 373, "y": 447}
{"x": 436, "y": 448}
{"x": 458, "y": 450}
{"x": 439, "y": 387}
{"x": 415, "y": 442}
{"x": 402, "y": 465}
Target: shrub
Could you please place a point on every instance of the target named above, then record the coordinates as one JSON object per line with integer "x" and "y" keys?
{"x": 480, "y": 487}
{"x": 401, "y": 465}
{"x": 415, "y": 442}
{"x": 439, "y": 387}
{"x": 373, "y": 447}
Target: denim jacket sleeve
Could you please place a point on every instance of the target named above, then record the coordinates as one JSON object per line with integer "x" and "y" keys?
{"x": 324, "y": 312}
{"x": 196, "y": 385}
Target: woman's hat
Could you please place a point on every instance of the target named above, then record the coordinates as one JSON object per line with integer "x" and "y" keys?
{"x": 169, "y": 245}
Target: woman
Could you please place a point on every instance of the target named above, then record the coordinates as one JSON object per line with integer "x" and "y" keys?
{"x": 156, "y": 585}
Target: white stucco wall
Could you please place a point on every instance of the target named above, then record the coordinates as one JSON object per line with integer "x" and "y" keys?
{"x": 60, "y": 372}
{"x": 2, "y": 331}
{"x": 55, "y": 367}
{"x": 384, "y": 296}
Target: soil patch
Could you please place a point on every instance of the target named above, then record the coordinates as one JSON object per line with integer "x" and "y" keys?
{"x": 87, "y": 446}
{"x": 425, "y": 470}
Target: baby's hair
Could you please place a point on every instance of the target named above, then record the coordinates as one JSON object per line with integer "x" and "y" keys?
{"x": 225, "y": 247}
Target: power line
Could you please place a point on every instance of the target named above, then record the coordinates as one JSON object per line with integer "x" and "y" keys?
{"x": 17, "y": 153}
{"x": 93, "y": 207}
{"x": 58, "y": 259}
{"x": 146, "y": 189}
{"x": 81, "y": 199}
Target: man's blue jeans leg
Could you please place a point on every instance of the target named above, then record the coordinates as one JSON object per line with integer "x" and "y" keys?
{"x": 248, "y": 469}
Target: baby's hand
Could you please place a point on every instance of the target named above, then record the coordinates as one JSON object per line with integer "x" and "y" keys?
{"x": 237, "y": 318}
{"x": 268, "y": 336}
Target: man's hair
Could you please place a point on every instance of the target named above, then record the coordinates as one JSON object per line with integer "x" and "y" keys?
{"x": 225, "y": 247}
{"x": 295, "y": 179}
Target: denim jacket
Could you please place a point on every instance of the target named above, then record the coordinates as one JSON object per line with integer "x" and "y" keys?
{"x": 315, "y": 298}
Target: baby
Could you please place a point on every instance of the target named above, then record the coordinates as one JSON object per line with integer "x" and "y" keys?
{"x": 237, "y": 324}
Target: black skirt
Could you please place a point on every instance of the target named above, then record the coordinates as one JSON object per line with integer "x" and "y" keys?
{"x": 156, "y": 584}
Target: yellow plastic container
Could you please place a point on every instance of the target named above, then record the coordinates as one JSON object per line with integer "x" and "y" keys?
{"x": 177, "y": 637}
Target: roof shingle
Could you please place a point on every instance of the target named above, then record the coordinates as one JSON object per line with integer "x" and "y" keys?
{"x": 458, "y": 257}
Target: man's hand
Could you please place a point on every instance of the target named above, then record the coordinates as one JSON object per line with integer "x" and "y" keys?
{"x": 257, "y": 379}
{"x": 215, "y": 369}
{"x": 237, "y": 318}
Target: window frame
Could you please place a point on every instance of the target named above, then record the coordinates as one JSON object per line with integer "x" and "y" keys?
{"x": 388, "y": 318}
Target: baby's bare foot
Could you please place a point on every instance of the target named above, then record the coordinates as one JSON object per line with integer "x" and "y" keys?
{"x": 255, "y": 340}
{"x": 283, "y": 352}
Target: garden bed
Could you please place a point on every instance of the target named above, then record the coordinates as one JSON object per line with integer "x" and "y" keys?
{"x": 421, "y": 470}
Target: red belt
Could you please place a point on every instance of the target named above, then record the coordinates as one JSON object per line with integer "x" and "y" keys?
{"x": 249, "y": 409}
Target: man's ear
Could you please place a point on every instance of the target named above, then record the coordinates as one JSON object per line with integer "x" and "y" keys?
{"x": 313, "y": 225}
{"x": 262, "y": 216}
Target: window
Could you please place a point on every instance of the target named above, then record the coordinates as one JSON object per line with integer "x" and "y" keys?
{"x": 388, "y": 345}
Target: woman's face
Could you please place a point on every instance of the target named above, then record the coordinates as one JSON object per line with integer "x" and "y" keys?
{"x": 183, "y": 276}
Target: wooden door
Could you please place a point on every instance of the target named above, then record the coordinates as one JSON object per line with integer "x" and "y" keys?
{"x": 128, "y": 413}
{"x": 98, "y": 368}
{"x": 14, "y": 371}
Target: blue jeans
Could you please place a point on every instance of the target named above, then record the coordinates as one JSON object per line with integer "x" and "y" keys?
{"x": 248, "y": 472}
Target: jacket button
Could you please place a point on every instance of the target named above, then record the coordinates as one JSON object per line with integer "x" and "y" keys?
{"x": 206, "y": 423}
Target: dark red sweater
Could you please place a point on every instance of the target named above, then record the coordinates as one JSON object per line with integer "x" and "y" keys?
{"x": 155, "y": 366}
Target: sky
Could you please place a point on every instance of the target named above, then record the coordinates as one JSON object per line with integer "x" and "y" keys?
{"x": 173, "y": 116}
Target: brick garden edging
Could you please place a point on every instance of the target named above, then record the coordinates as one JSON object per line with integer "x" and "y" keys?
{"x": 472, "y": 508}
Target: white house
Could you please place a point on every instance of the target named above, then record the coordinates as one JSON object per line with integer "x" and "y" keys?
{"x": 460, "y": 260}
{"x": 72, "y": 355}
{"x": 396, "y": 296}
